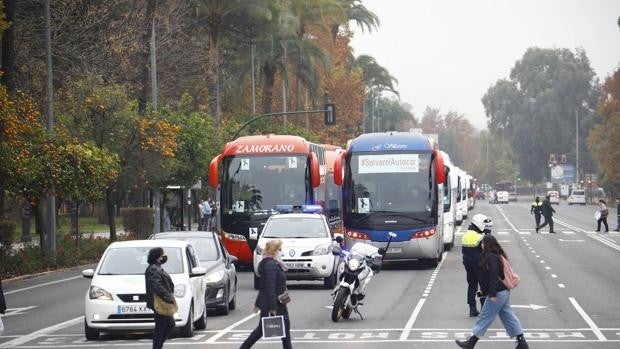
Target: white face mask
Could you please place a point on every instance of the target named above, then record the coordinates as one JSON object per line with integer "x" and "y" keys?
{"x": 278, "y": 256}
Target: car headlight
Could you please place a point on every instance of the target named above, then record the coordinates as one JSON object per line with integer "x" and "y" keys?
{"x": 215, "y": 277}
{"x": 179, "y": 291}
{"x": 258, "y": 250}
{"x": 353, "y": 264}
{"x": 95, "y": 292}
{"x": 321, "y": 250}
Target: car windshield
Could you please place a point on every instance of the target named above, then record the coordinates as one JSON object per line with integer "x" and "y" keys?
{"x": 133, "y": 261}
{"x": 205, "y": 247}
{"x": 296, "y": 227}
{"x": 578, "y": 192}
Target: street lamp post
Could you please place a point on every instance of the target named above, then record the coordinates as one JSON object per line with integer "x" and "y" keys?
{"x": 577, "y": 146}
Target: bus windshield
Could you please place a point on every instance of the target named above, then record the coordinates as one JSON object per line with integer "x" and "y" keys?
{"x": 389, "y": 183}
{"x": 254, "y": 184}
{"x": 504, "y": 186}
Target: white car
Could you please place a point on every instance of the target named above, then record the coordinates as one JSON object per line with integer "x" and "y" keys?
{"x": 502, "y": 197}
{"x": 577, "y": 196}
{"x": 554, "y": 197}
{"x": 306, "y": 247}
{"x": 116, "y": 298}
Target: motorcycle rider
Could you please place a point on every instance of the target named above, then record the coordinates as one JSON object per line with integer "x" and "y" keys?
{"x": 472, "y": 253}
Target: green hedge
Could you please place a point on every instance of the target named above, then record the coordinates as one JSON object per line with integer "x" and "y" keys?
{"x": 31, "y": 259}
{"x": 138, "y": 220}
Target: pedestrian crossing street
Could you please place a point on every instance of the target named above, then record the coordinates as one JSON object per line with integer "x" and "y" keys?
{"x": 530, "y": 231}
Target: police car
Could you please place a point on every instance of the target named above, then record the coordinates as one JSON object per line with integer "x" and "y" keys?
{"x": 306, "y": 244}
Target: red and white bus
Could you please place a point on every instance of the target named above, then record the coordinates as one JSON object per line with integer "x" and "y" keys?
{"x": 254, "y": 174}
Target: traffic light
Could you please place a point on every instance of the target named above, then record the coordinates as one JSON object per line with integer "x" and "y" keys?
{"x": 330, "y": 114}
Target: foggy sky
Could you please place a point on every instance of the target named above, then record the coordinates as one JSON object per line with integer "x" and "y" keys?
{"x": 447, "y": 54}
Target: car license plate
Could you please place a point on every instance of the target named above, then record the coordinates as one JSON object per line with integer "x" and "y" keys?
{"x": 294, "y": 265}
{"x": 395, "y": 250}
{"x": 131, "y": 309}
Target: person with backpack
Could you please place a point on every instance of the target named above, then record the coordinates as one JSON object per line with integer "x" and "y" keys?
{"x": 472, "y": 252}
{"x": 498, "y": 297}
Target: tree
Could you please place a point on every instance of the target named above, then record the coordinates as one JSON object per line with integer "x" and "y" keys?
{"x": 535, "y": 110}
{"x": 358, "y": 13}
{"x": 217, "y": 15}
{"x": 91, "y": 110}
{"x": 603, "y": 140}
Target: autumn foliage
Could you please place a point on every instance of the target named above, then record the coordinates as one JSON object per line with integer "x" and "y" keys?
{"x": 603, "y": 141}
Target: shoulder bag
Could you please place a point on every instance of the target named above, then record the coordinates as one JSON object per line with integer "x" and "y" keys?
{"x": 164, "y": 308}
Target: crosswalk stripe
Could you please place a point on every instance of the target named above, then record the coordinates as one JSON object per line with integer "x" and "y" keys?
{"x": 525, "y": 233}
{"x": 569, "y": 232}
{"x": 502, "y": 233}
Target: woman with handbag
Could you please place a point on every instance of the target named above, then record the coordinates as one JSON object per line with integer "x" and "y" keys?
{"x": 272, "y": 293}
{"x": 160, "y": 296}
{"x": 497, "y": 297}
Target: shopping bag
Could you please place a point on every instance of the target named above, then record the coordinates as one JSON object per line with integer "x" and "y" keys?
{"x": 273, "y": 327}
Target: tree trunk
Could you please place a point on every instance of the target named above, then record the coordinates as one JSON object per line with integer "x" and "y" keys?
{"x": 213, "y": 78}
{"x": 39, "y": 225}
{"x": 298, "y": 95}
{"x": 8, "y": 47}
{"x": 109, "y": 204}
{"x": 269, "y": 73}
{"x": 143, "y": 55}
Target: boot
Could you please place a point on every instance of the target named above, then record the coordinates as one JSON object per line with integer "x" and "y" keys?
{"x": 473, "y": 312}
{"x": 521, "y": 343}
{"x": 469, "y": 343}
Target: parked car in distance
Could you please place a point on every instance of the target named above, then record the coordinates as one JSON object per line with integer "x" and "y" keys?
{"x": 221, "y": 277}
{"x": 116, "y": 298}
{"x": 577, "y": 196}
{"x": 554, "y": 197}
{"x": 306, "y": 247}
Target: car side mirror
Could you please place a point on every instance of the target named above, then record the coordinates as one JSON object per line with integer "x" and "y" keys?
{"x": 381, "y": 251}
{"x": 198, "y": 271}
{"x": 88, "y": 273}
{"x": 336, "y": 250}
{"x": 232, "y": 259}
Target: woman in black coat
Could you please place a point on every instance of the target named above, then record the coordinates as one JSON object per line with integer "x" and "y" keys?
{"x": 159, "y": 282}
{"x": 272, "y": 284}
{"x": 2, "y": 302}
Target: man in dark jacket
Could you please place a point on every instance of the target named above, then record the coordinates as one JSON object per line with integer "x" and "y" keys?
{"x": 158, "y": 282}
{"x": 618, "y": 213}
{"x": 536, "y": 210}
{"x": 547, "y": 212}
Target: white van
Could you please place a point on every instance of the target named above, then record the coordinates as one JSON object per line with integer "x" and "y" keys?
{"x": 577, "y": 196}
{"x": 554, "y": 197}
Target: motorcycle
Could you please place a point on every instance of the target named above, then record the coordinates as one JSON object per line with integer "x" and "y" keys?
{"x": 357, "y": 266}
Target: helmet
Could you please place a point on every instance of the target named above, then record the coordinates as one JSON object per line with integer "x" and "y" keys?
{"x": 482, "y": 222}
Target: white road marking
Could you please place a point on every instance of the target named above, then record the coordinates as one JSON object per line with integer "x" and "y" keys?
{"x": 587, "y": 319}
{"x": 42, "y": 332}
{"x": 529, "y": 306}
{"x": 502, "y": 233}
{"x": 602, "y": 239}
{"x": 548, "y": 268}
{"x": 41, "y": 285}
{"x": 414, "y": 315}
{"x": 571, "y": 240}
{"x": 569, "y": 232}
{"x": 554, "y": 276}
{"x": 17, "y": 311}
{"x": 561, "y": 286}
{"x": 229, "y": 328}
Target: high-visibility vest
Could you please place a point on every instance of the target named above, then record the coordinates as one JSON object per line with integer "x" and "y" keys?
{"x": 471, "y": 238}
{"x": 537, "y": 207}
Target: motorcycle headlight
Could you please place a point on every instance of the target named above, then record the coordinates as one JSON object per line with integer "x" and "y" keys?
{"x": 179, "y": 291}
{"x": 99, "y": 293}
{"x": 321, "y": 250}
{"x": 353, "y": 264}
{"x": 215, "y": 277}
